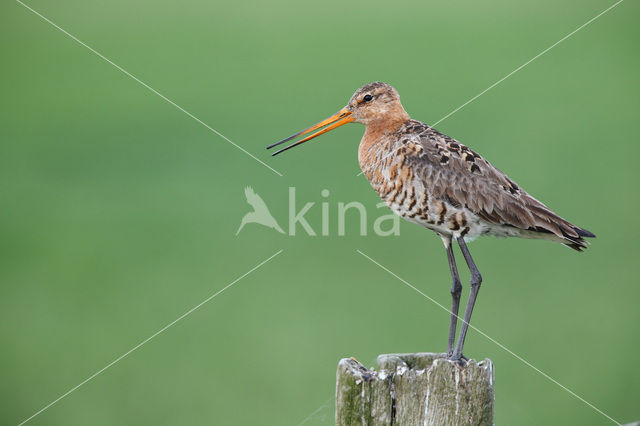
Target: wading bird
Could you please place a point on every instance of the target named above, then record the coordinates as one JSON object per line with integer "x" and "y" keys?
{"x": 433, "y": 180}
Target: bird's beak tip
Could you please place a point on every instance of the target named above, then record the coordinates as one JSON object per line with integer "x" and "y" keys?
{"x": 343, "y": 116}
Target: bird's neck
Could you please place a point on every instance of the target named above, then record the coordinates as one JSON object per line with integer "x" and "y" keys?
{"x": 386, "y": 124}
{"x": 386, "y": 119}
{"x": 377, "y": 132}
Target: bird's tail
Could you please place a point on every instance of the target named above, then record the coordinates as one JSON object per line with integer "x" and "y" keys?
{"x": 578, "y": 243}
{"x": 563, "y": 231}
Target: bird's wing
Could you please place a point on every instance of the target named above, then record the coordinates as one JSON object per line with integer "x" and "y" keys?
{"x": 254, "y": 200}
{"x": 456, "y": 174}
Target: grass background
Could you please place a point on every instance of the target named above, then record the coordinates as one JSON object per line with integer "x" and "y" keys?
{"x": 119, "y": 212}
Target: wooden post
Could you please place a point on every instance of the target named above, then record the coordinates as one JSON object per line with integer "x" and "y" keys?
{"x": 414, "y": 389}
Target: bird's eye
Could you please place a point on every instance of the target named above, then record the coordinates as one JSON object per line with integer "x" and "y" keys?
{"x": 367, "y": 98}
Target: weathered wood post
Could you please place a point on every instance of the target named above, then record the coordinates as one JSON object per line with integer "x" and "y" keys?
{"x": 414, "y": 389}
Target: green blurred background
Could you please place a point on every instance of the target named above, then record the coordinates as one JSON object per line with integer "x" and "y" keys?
{"x": 119, "y": 212}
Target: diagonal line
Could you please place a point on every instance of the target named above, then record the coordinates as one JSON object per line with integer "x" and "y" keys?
{"x": 150, "y": 337}
{"x": 523, "y": 65}
{"x": 311, "y": 416}
{"x": 527, "y": 63}
{"x": 127, "y": 73}
{"x": 497, "y": 343}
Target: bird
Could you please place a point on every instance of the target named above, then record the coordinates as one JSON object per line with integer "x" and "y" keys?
{"x": 433, "y": 180}
{"x": 260, "y": 213}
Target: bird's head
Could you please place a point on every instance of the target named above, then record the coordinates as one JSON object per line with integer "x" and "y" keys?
{"x": 373, "y": 104}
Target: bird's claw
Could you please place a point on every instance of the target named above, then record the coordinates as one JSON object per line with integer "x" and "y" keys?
{"x": 460, "y": 359}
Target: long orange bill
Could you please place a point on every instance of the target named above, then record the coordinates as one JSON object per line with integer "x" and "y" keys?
{"x": 336, "y": 120}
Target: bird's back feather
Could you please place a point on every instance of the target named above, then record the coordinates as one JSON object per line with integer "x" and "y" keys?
{"x": 452, "y": 173}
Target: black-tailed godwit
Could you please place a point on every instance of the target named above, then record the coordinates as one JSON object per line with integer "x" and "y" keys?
{"x": 433, "y": 180}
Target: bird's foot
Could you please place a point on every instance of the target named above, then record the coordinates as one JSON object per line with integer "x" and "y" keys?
{"x": 460, "y": 359}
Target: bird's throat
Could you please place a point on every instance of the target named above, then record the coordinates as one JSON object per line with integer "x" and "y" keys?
{"x": 377, "y": 129}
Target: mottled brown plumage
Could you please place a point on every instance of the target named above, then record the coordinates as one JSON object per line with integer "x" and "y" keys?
{"x": 433, "y": 180}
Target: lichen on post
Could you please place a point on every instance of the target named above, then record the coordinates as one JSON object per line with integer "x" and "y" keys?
{"x": 415, "y": 389}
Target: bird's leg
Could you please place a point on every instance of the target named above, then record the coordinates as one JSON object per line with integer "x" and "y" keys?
{"x": 456, "y": 290}
{"x": 476, "y": 280}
